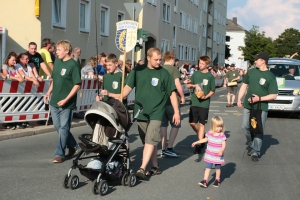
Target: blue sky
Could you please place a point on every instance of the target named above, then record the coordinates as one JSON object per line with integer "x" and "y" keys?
{"x": 272, "y": 16}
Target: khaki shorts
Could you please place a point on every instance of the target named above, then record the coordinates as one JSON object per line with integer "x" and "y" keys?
{"x": 168, "y": 117}
{"x": 149, "y": 131}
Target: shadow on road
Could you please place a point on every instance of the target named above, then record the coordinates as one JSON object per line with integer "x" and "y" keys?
{"x": 268, "y": 140}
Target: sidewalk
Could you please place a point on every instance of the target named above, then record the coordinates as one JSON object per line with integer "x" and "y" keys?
{"x": 6, "y": 134}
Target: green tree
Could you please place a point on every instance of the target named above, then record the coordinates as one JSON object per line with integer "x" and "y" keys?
{"x": 256, "y": 42}
{"x": 286, "y": 43}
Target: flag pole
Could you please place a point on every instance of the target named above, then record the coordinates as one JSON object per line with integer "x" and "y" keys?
{"x": 123, "y": 75}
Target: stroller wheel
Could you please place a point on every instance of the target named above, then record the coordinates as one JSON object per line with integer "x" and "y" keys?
{"x": 95, "y": 187}
{"x": 73, "y": 182}
{"x": 103, "y": 187}
{"x": 131, "y": 181}
{"x": 124, "y": 179}
{"x": 65, "y": 181}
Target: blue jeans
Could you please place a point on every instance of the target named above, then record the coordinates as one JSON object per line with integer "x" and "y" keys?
{"x": 256, "y": 143}
{"x": 62, "y": 119}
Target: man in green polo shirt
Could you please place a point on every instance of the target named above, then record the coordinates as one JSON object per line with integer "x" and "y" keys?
{"x": 167, "y": 150}
{"x": 154, "y": 86}
{"x": 205, "y": 81}
{"x": 261, "y": 85}
{"x": 66, "y": 82}
{"x": 232, "y": 76}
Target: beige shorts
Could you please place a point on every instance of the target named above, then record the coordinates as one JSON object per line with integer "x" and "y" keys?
{"x": 149, "y": 131}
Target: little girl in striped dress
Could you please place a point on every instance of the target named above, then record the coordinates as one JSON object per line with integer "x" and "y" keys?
{"x": 216, "y": 143}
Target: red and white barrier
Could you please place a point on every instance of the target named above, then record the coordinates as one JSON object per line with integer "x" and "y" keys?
{"x": 22, "y": 101}
{"x": 87, "y": 94}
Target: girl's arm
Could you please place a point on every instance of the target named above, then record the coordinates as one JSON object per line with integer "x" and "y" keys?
{"x": 200, "y": 141}
{"x": 223, "y": 148}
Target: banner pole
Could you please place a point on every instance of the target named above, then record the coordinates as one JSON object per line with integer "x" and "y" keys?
{"x": 123, "y": 76}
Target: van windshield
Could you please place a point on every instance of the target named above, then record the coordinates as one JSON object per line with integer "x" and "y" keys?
{"x": 289, "y": 72}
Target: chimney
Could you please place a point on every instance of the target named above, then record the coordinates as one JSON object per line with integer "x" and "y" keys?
{"x": 234, "y": 19}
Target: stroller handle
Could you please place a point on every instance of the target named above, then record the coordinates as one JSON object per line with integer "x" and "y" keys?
{"x": 139, "y": 104}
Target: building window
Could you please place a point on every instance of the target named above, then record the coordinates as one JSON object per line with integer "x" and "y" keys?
{"x": 195, "y": 26}
{"x": 203, "y": 52}
{"x": 200, "y": 18}
{"x": 104, "y": 20}
{"x": 84, "y": 21}
{"x": 199, "y": 44}
{"x": 189, "y": 22}
{"x": 174, "y": 35}
{"x": 182, "y": 20}
{"x": 175, "y": 6}
{"x": 165, "y": 46}
{"x": 121, "y": 16}
{"x": 188, "y": 52}
{"x": 205, "y": 4}
{"x": 194, "y": 54}
{"x": 196, "y": 2}
{"x": 204, "y": 30}
{"x": 166, "y": 12}
{"x": 180, "y": 52}
{"x": 153, "y": 2}
{"x": 59, "y": 13}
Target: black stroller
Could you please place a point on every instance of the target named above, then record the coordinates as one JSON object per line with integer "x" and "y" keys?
{"x": 110, "y": 161}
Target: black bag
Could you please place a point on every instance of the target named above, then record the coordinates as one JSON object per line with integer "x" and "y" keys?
{"x": 255, "y": 120}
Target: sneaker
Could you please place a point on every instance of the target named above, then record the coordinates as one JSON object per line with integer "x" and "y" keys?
{"x": 249, "y": 151}
{"x": 216, "y": 183}
{"x": 20, "y": 126}
{"x": 254, "y": 158}
{"x": 163, "y": 153}
{"x": 203, "y": 183}
{"x": 171, "y": 153}
{"x": 197, "y": 149}
{"x": 11, "y": 126}
{"x": 231, "y": 105}
{"x": 228, "y": 105}
{"x": 27, "y": 125}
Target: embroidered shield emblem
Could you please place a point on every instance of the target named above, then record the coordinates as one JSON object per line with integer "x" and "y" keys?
{"x": 115, "y": 85}
{"x": 205, "y": 81}
{"x": 262, "y": 81}
{"x": 154, "y": 81}
{"x": 62, "y": 72}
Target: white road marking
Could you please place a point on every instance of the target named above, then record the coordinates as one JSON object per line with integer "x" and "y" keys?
{"x": 231, "y": 111}
{"x": 214, "y": 110}
{"x": 221, "y": 113}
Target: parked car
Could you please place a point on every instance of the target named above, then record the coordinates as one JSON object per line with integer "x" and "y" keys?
{"x": 288, "y": 99}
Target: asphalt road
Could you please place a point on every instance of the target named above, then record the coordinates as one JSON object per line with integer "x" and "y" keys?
{"x": 27, "y": 171}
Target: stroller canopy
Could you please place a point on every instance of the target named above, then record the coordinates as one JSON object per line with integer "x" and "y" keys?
{"x": 112, "y": 110}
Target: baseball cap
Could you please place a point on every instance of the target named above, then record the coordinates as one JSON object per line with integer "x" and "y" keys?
{"x": 262, "y": 55}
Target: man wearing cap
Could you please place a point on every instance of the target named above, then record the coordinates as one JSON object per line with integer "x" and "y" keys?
{"x": 262, "y": 87}
{"x": 232, "y": 77}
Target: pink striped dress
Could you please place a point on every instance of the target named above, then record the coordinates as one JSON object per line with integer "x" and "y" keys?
{"x": 214, "y": 145}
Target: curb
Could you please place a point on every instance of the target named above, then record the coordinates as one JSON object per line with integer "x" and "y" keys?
{"x": 38, "y": 131}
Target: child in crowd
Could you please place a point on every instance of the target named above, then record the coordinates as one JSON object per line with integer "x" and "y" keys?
{"x": 216, "y": 143}
{"x": 112, "y": 80}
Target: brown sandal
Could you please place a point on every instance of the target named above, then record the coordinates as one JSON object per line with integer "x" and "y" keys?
{"x": 141, "y": 173}
{"x": 153, "y": 171}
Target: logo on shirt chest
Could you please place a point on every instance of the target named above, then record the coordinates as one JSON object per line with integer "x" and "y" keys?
{"x": 205, "y": 82}
{"x": 262, "y": 81}
{"x": 115, "y": 85}
{"x": 154, "y": 81}
{"x": 63, "y": 72}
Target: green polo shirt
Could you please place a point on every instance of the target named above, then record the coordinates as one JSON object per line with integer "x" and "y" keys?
{"x": 112, "y": 83}
{"x": 65, "y": 75}
{"x": 153, "y": 89}
{"x": 174, "y": 72}
{"x": 208, "y": 84}
{"x": 261, "y": 83}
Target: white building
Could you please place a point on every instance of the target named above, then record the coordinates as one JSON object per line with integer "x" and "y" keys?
{"x": 237, "y": 35}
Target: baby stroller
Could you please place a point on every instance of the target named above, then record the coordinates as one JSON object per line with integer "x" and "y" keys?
{"x": 108, "y": 145}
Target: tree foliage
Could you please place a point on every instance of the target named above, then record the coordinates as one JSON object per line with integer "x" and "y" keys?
{"x": 287, "y": 43}
{"x": 256, "y": 42}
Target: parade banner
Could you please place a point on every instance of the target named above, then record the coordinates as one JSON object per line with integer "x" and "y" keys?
{"x": 126, "y": 35}
{"x": 126, "y": 38}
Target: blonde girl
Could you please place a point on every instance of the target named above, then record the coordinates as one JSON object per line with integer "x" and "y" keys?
{"x": 214, "y": 155}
